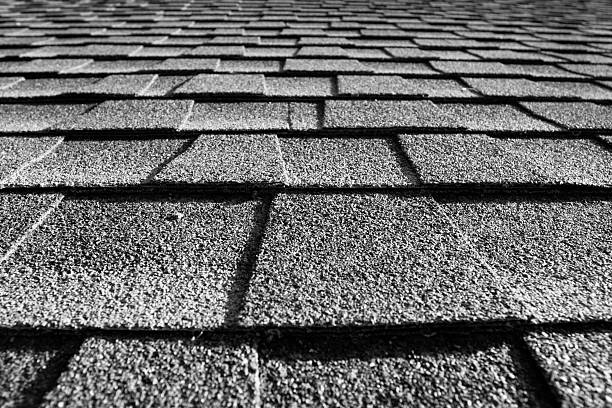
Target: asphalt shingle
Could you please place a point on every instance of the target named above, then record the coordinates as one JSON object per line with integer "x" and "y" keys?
{"x": 556, "y": 253}
{"x": 583, "y": 90}
{"x": 47, "y": 65}
{"x": 594, "y": 70}
{"x": 223, "y": 84}
{"x": 396, "y": 85}
{"x": 147, "y": 264}
{"x": 382, "y": 114}
{"x": 34, "y": 118}
{"x": 299, "y": 86}
{"x": 47, "y": 87}
{"x": 238, "y": 116}
{"x": 227, "y": 159}
{"x": 331, "y": 259}
{"x": 174, "y": 65}
{"x": 390, "y": 67}
{"x": 574, "y": 115}
{"x": 158, "y": 372}
{"x": 234, "y": 66}
{"x": 579, "y": 365}
{"x": 121, "y": 85}
{"x": 343, "y": 162}
{"x": 219, "y": 50}
{"x": 136, "y": 114}
{"x": 20, "y": 151}
{"x": 472, "y": 158}
{"x": 99, "y": 163}
{"x": 303, "y": 116}
{"x": 324, "y": 65}
{"x": 492, "y": 118}
{"x": 514, "y": 87}
{"x": 163, "y": 85}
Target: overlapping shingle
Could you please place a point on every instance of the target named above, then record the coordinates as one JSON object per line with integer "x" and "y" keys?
{"x": 34, "y": 118}
{"x": 223, "y": 84}
{"x": 238, "y": 116}
{"x": 299, "y": 86}
{"x": 18, "y": 152}
{"x": 574, "y": 115}
{"x": 396, "y": 85}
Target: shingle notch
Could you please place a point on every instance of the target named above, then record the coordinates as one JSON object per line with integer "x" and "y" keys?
{"x": 141, "y": 114}
{"x": 330, "y": 259}
{"x": 223, "y": 84}
{"x": 481, "y": 159}
{"x": 252, "y": 159}
{"x": 158, "y": 372}
{"x": 147, "y": 264}
{"x": 574, "y": 115}
{"x": 343, "y": 162}
{"x": 94, "y": 162}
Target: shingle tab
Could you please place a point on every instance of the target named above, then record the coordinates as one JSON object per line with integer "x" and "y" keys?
{"x": 20, "y": 151}
{"x": 492, "y": 118}
{"x": 396, "y": 85}
{"x": 514, "y": 87}
{"x": 47, "y": 87}
{"x": 299, "y": 86}
{"x": 391, "y": 373}
{"x": 577, "y": 364}
{"x": 324, "y": 65}
{"x": 219, "y": 50}
{"x": 343, "y": 162}
{"x": 583, "y": 90}
{"x": 158, "y": 372}
{"x": 123, "y": 85}
{"x": 557, "y": 252}
{"x": 47, "y": 65}
{"x": 223, "y": 84}
{"x": 148, "y": 263}
{"x": 456, "y": 158}
{"x": 141, "y": 114}
{"x": 382, "y": 114}
{"x": 238, "y": 116}
{"x": 34, "y": 118}
{"x": 331, "y": 259}
{"x": 249, "y": 66}
{"x": 177, "y": 65}
{"x": 420, "y": 54}
{"x": 304, "y": 116}
{"x": 163, "y": 85}
{"x": 594, "y": 70}
{"x": 574, "y": 115}
{"x": 99, "y": 163}
{"x": 227, "y": 159}
{"x": 389, "y": 67}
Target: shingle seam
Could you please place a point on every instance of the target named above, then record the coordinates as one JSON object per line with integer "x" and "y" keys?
{"x": 15, "y": 246}
{"x": 187, "y": 116}
{"x": 13, "y": 176}
{"x": 279, "y": 150}
{"x": 404, "y": 161}
{"x": 182, "y": 149}
{"x": 149, "y": 84}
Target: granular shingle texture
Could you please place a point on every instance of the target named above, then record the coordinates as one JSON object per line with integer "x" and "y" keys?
{"x": 574, "y": 115}
{"x": 33, "y": 118}
{"x": 164, "y": 85}
{"x": 344, "y": 162}
{"x": 429, "y": 373}
{"x": 227, "y": 159}
{"x": 473, "y": 158}
{"x": 148, "y": 264}
{"x": 353, "y": 259}
{"x": 578, "y": 365}
{"x": 47, "y": 87}
{"x": 238, "y": 116}
{"x": 142, "y": 114}
{"x": 222, "y": 84}
{"x": 17, "y": 152}
{"x": 124, "y": 85}
{"x": 157, "y": 372}
{"x": 99, "y": 163}
{"x": 396, "y": 85}
{"x": 556, "y": 252}
{"x": 299, "y": 86}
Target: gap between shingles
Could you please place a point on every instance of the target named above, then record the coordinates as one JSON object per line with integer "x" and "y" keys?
{"x": 246, "y": 265}
{"x": 184, "y": 147}
{"x": 11, "y": 178}
{"x": 408, "y": 168}
{"x": 15, "y": 246}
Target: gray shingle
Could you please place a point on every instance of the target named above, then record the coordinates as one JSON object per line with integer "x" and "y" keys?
{"x": 219, "y": 50}
{"x": 583, "y": 90}
{"x": 249, "y": 66}
{"x": 7, "y": 82}
{"x": 123, "y": 85}
{"x": 93, "y": 50}
{"x": 16, "y": 152}
{"x": 99, "y": 163}
{"x": 116, "y": 67}
{"x": 161, "y": 52}
{"x": 574, "y": 115}
{"x": 303, "y": 116}
{"x": 446, "y": 159}
{"x": 147, "y": 264}
{"x": 594, "y": 70}
{"x": 382, "y": 114}
{"x": 343, "y": 162}
{"x": 163, "y": 85}
{"x": 388, "y": 67}
{"x": 324, "y": 65}
{"x": 158, "y": 372}
{"x": 47, "y": 87}
{"x": 491, "y": 118}
{"x": 367, "y": 53}
{"x": 514, "y": 87}
{"x": 396, "y": 85}
{"x": 514, "y": 55}
{"x": 542, "y": 71}
{"x": 419, "y": 54}
{"x": 556, "y": 253}
{"x": 270, "y": 52}
{"x": 472, "y": 67}
{"x": 141, "y": 114}
{"x": 392, "y": 373}
{"x": 238, "y": 116}
{"x": 299, "y": 86}
{"x": 331, "y": 259}
{"x": 187, "y": 64}
{"x": 577, "y": 364}
{"x": 33, "y": 118}
{"x": 227, "y": 159}
{"x": 314, "y": 51}
{"x": 223, "y": 84}
{"x": 28, "y": 367}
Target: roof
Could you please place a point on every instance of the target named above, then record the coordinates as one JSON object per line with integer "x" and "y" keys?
{"x": 314, "y": 203}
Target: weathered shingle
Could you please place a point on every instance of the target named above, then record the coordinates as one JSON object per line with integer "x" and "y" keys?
{"x": 223, "y": 84}
{"x": 574, "y": 115}
{"x": 343, "y": 162}
{"x": 157, "y": 372}
{"x": 227, "y": 159}
{"x": 457, "y": 158}
{"x": 148, "y": 263}
{"x": 34, "y": 118}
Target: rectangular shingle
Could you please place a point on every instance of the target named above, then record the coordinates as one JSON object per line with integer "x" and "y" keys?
{"x": 93, "y": 50}
{"x": 227, "y": 159}
{"x": 238, "y": 116}
{"x": 47, "y": 87}
{"x": 330, "y": 259}
{"x": 40, "y": 66}
{"x": 219, "y": 50}
{"x": 346, "y": 372}
{"x": 179, "y": 65}
{"x": 270, "y": 52}
{"x": 456, "y": 158}
{"x": 514, "y": 87}
{"x": 121, "y": 85}
{"x": 396, "y": 85}
{"x": 86, "y": 162}
{"x": 223, "y": 84}
{"x": 329, "y": 52}
{"x": 554, "y": 250}
{"x": 158, "y": 372}
{"x": 34, "y": 118}
{"x": 343, "y": 162}
{"x": 509, "y": 55}
{"x": 157, "y": 263}
{"x": 163, "y": 85}
{"x": 389, "y": 67}
{"x": 492, "y": 118}
{"x": 574, "y": 115}
{"x": 583, "y": 90}
{"x": 135, "y": 114}
{"x": 594, "y": 70}
{"x": 472, "y": 67}
{"x": 577, "y": 364}
{"x": 299, "y": 86}
{"x": 161, "y": 52}
{"x": 249, "y": 66}
{"x": 382, "y": 114}
{"x": 17, "y": 152}
{"x": 420, "y": 54}
{"x": 324, "y": 65}
{"x": 115, "y": 67}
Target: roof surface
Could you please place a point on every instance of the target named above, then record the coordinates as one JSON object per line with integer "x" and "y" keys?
{"x": 306, "y": 203}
